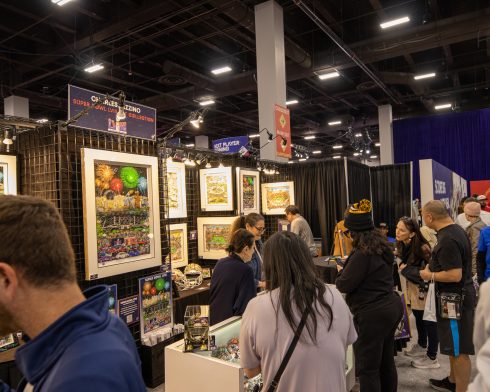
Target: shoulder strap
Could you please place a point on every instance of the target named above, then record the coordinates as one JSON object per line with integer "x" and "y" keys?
{"x": 292, "y": 346}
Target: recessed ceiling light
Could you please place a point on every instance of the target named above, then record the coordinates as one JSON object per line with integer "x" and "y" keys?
{"x": 356, "y": 154}
{"x": 310, "y": 137}
{"x": 337, "y": 157}
{"x": 374, "y": 156}
{"x": 316, "y": 152}
{"x": 378, "y": 144}
{"x": 329, "y": 75}
{"x": 424, "y": 76}
{"x": 334, "y": 123}
{"x": 302, "y": 159}
{"x": 60, "y": 2}
{"x": 443, "y": 106}
{"x": 93, "y": 68}
{"x": 292, "y": 102}
{"x": 206, "y": 103}
{"x": 337, "y": 146}
{"x": 42, "y": 120}
{"x": 222, "y": 70}
{"x": 190, "y": 145}
{"x": 358, "y": 134}
{"x": 254, "y": 135}
{"x": 394, "y": 22}
{"x": 290, "y": 162}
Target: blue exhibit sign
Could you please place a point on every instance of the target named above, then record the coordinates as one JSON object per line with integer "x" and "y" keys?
{"x": 230, "y": 145}
{"x": 140, "y": 120}
{"x": 442, "y": 183}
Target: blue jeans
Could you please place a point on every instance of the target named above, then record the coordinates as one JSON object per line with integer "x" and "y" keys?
{"x": 427, "y": 331}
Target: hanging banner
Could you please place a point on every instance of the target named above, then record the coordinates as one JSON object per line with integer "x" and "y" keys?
{"x": 283, "y": 131}
{"x": 140, "y": 120}
{"x": 230, "y": 145}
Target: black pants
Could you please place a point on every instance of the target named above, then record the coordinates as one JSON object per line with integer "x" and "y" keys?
{"x": 374, "y": 347}
{"x": 427, "y": 330}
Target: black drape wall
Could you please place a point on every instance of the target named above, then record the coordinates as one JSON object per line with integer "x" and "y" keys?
{"x": 358, "y": 180}
{"x": 320, "y": 193}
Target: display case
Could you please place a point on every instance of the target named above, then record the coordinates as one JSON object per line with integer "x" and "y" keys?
{"x": 200, "y": 371}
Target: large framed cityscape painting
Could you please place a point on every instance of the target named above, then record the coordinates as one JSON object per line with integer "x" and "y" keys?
{"x": 248, "y": 191}
{"x": 121, "y": 213}
{"x": 178, "y": 245}
{"x": 276, "y": 197}
{"x": 177, "y": 204}
{"x": 8, "y": 174}
{"x": 216, "y": 189}
{"x": 213, "y": 235}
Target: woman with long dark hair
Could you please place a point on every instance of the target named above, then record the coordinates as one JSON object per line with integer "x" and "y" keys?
{"x": 367, "y": 279}
{"x": 232, "y": 283}
{"x": 414, "y": 252}
{"x": 271, "y": 321}
{"x": 255, "y": 224}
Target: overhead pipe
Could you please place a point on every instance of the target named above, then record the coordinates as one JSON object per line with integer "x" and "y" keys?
{"x": 344, "y": 48}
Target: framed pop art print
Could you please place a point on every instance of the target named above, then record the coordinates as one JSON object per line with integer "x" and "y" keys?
{"x": 216, "y": 189}
{"x": 121, "y": 213}
{"x": 213, "y": 236}
{"x": 178, "y": 245}
{"x": 276, "y": 197}
{"x": 248, "y": 186}
{"x": 177, "y": 204}
{"x": 8, "y": 174}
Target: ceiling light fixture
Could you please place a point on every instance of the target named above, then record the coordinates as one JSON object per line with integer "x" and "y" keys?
{"x": 356, "y": 154}
{"x": 424, "y": 76}
{"x": 374, "y": 156}
{"x": 208, "y": 165}
{"x": 377, "y": 144}
{"x": 8, "y": 137}
{"x": 331, "y": 123}
{"x": 310, "y": 137}
{"x": 338, "y": 147}
{"x": 394, "y": 22}
{"x": 443, "y": 106}
{"x": 190, "y": 145}
{"x": 42, "y": 121}
{"x": 60, "y": 2}
{"x": 206, "y": 103}
{"x": 254, "y": 136}
{"x": 221, "y": 166}
{"x": 222, "y": 70}
{"x": 292, "y": 102}
{"x": 316, "y": 152}
{"x": 290, "y": 162}
{"x": 358, "y": 134}
{"x": 329, "y": 75}
{"x": 337, "y": 156}
{"x": 91, "y": 68}
{"x": 302, "y": 159}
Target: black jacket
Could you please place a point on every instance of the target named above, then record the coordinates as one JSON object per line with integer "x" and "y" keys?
{"x": 413, "y": 265}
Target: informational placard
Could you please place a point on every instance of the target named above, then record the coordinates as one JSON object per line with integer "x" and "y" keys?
{"x": 140, "y": 120}
{"x": 129, "y": 309}
{"x": 156, "y": 302}
{"x": 230, "y": 145}
{"x": 283, "y": 131}
{"x": 113, "y": 308}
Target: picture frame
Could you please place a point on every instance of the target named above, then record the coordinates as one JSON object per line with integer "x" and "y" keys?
{"x": 248, "y": 191}
{"x": 8, "y": 174}
{"x": 176, "y": 191}
{"x": 8, "y": 342}
{"x": 121, "y": 213}
{"x": 213, "y": 234}
{"x": 276, "y": 196}
{"x": 216, "y": 189}
{"x": 178, "y": 245}
{"x": 155, "y": 298}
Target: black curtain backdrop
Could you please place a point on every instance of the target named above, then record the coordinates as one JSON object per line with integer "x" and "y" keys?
{"x": 391, "y": 194}
{"x": 320, "y": 194}
{"x": 359, "y": 181}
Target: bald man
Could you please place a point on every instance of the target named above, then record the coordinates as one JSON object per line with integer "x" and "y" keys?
{"x": 450, "y": 268}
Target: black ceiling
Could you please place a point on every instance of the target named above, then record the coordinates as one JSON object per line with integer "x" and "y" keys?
{"x": 160, "y": 52}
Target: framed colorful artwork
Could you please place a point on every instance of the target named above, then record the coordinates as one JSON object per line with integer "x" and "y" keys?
{"x": 8, "y": 174}
{"x": 177, "y": 204}
{"x": 216, "y": 189}
{"x": 121, "y": 213}
{"x": 276, "y": 197}
{"x": 178, "y": 245}
{"x": 156, "y": 302}
{"x": 7, "y": 342}
{"x": 213, "y": 235}
{"x": 248, "y": 191}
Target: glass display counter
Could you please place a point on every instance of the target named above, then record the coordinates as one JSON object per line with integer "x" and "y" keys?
{"x": 219, "y": 369}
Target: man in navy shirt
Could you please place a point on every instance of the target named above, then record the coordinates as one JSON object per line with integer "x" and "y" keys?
{"x": 74, "y": 344}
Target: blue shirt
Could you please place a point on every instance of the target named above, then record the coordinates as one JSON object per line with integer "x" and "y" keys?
{"x": 484, "y": 246}
{"x": 86, "y": 349}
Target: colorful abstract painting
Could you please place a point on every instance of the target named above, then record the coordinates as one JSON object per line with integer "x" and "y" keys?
{"x": 213, "y": 236}
{"x": 216, "y": 190}
{"x": 178, "y": 245}
{"x": 156, "y": 302}
{"x": 276, "y": 197}
{"x": 248, "y": 185}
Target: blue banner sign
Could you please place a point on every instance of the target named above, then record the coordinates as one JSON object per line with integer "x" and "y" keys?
{"x": 230, "y": 145}
{"x": 140, "y": 120}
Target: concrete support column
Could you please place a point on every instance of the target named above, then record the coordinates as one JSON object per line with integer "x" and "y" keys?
{"x": 16, "y": 106}
{"x": 386, "y": 134}
{"x": 271, "y": 71}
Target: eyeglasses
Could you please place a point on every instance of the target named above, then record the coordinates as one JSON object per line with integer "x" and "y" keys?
{"x": 261, "y": 229}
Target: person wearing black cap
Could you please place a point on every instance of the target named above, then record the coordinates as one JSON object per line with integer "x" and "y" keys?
{"x": 367, "y": 279}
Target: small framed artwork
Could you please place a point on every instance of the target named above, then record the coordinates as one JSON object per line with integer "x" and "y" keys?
{"x": 248, "y": 191}
{"x": 7, "y": 342}
{"x": 8, "y": 174}
{"x": 121, "y": 213}
{"x": 178, "y": 245}
{"x": 216, "y": 189}
{"x": 276, "y": 197}
{"x": 213, "y": 236}
{"x": 156, "y": 302}
{"x": 206, "y": 273}
{"x": 177, "y": 204}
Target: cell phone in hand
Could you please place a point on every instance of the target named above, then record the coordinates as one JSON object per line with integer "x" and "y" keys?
{"x": 340, "y": 261}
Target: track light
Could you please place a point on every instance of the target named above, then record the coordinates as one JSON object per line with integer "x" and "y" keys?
{"x": 221, "y": 166}
{"x": 91, "y": 68}
{"x": 8, "y": 137}
{"x": 60, "y": 2}
{"x": 208, "y": 165}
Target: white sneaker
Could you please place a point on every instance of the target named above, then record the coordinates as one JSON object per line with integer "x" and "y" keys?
{"x": 426, "y": 363}
{"x": 416, "y": 351}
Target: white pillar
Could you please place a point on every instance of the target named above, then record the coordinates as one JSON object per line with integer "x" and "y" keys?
{"x": 386, "y": 134}
{"x": 16, "y": 106}
{"x": 271, "y": 71}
